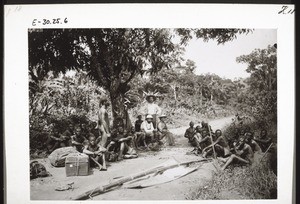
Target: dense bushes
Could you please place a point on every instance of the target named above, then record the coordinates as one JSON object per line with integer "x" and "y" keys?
{"x": 41, "y": 128}
{"x": 61, "y": 100}
{"x": 257, "y": 182}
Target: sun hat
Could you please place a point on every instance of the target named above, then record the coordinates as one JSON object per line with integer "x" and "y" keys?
{"x": 149, "y": 117}
{"x": 162, "y": 116}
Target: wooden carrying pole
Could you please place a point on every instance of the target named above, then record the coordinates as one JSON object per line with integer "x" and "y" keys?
{"x": 212, "y": 142}
{"x": 265, "y": 152}
{"x": 104, "y": 188}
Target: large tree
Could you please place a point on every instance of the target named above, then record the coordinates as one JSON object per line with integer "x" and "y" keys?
{"x": 262, "y": 92}
{"x": 113, "y": 57}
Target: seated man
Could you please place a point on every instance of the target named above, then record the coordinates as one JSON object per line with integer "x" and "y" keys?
{"x": 84, "y": 130}
{"x": 133, "y": 134}
{"x": 242, "y": 153}
{"x": 253, "y": 144}
{"x": 189, "y": 133}
{"x": 77, "y": 140}
{"x": 92, "y": 128}
{"x": 241, "y": 133}
{"x": 148, "y": 131}
{"x": 197, "y": 138}
{"x": 70, "y": 130}
{"x": 205, "y": 126}
{"x": 120, "y": 142}
{"x": 263, "y": 140}
{"x": 221, "y": 146}
{"x": 206, "y": 140}
{"x": 138, "y": 132}
{"x": 56, "y": 140}
{"x": 91, "y": 131}
{"x": 137, "y": 124}
{"x": 163, "y": 132}
{"x": 96, "y": 153}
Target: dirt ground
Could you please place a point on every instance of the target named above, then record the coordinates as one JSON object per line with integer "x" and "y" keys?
{"x": 44, "y": 188}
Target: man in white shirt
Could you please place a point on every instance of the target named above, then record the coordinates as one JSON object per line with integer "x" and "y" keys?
{"x": 148, "y": 130}
{"x": 152, "y": 108}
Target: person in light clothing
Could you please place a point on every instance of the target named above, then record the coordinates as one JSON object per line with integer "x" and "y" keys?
{"x": 148, "y": 131}
{"x": 152, "y": 109}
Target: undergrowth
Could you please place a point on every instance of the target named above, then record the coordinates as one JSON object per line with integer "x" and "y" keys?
{"x": 258, "y": 182}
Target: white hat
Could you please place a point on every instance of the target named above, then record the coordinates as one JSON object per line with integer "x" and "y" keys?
{"x": 162, "y": 116}
{"x": 149, "y": 117}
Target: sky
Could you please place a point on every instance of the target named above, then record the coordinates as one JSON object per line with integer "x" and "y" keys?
{"x": 221, "y": 59}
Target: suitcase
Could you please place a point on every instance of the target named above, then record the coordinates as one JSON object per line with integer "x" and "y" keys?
{"x": 77, "y": 164}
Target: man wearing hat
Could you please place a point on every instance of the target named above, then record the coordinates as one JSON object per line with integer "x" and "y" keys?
{"x": 148, "y": 130}
{"x": 163, "y": 132}
{"x": 152, "y": 108}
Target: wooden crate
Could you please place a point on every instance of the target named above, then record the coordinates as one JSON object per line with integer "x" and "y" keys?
{"x": 77, "y": 164}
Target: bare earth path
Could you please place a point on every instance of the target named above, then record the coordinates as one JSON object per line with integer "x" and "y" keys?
{"x": 44, "y": 188}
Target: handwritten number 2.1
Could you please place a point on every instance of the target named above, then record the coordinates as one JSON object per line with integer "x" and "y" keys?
{"x": 286, "y": 10}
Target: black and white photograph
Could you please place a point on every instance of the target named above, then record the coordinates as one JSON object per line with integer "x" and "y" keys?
{"x": 152, "y": 113}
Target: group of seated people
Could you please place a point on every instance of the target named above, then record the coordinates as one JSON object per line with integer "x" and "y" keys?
{"x": 83, "y": 137}
{"x": 149, "y": 134}
{"x": 121, "y": 143}
{"x": 239, "y": 148}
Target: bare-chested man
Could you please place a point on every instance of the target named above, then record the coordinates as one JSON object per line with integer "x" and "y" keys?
{"x": 189, "y": 133}
{"x": 221, "y": 146}
{"x": 103, "y": 122}
{"x": 263, "y": 140}
{"x": 242, "y": 153}
{"x": 96, "y": 153}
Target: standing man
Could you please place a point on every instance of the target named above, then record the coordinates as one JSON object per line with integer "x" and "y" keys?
{"x": 152, "y": 108}
{"x": 103, "y": 122}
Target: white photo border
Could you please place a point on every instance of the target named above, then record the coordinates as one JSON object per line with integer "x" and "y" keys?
{"x": 19, "y": 18}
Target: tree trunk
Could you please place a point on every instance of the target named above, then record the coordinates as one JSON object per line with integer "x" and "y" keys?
{"x": 174, "y": 93}
{"x": 119, "y": 110}
{"x": 201, "y": 97}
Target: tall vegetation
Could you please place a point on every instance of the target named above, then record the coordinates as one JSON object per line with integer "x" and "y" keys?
{"x": 59, "y": 100}
{"x": 114, "y": 57}
{"x": 261, "y": 95}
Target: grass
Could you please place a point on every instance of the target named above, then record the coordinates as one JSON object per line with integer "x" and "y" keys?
{"x": 257, "y": 182}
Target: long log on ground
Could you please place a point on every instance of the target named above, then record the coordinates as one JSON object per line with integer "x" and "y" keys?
{"x": 104, "y": 188}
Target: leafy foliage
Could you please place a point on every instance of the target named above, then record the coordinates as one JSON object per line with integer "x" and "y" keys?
{"x": 60, "y": 101}
{"x": 261, "y": 94}
{"x": 184, "y": 92}
{"x": 64, "y": 95}
{"x": 113, "y": 57}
